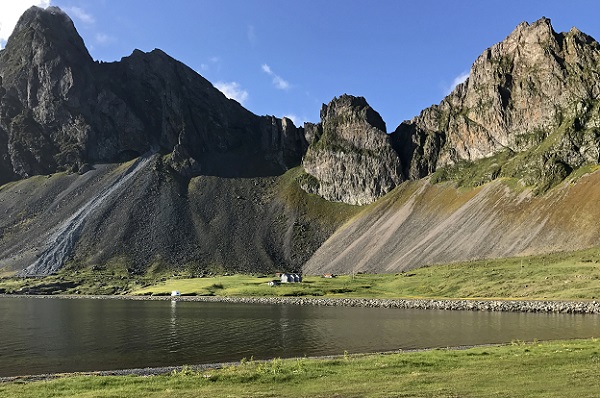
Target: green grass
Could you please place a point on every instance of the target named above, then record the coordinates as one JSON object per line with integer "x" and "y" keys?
{"x": 112, "y": 278}
{"x": 473, "y": 173}
{"x": 582, "y": 171}
{"x": 551, "y": 369}
{"x": 569, "y": 276}
{"x": 313, "y": 206}
{"x": 564, "y": 276}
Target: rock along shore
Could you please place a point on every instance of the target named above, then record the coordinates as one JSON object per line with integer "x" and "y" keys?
{"x": 540, "y": 306}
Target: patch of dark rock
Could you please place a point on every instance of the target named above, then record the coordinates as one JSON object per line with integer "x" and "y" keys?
{"x": 47, "y": 288}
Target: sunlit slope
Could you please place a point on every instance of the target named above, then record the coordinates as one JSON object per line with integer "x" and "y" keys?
{"x": 422, "y": 223}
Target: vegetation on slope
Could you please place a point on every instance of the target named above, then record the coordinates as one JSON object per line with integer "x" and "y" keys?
{"x": 568, "y": 276}
{"x": 313, "y": 206}
{"x": 540, "y": 160}
{"x": 554, "y": 369}
{"x": 553, "y": 276}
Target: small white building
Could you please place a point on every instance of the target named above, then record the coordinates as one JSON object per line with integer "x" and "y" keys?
{"x": 291, "y": 278}
{"x": 175, "y": 293}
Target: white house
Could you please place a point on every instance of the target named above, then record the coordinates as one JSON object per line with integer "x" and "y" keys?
{"x": 291, "y": 278}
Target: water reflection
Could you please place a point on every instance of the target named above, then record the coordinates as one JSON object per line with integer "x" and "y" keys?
{"x": 56, "y": 335}
{"x": 173, "y": 341}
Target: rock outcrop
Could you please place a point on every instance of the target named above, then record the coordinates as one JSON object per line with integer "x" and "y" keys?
{"x": 350, "y": 158}
{"x": 60, "y": 110}
{"x": 535, "y": 94}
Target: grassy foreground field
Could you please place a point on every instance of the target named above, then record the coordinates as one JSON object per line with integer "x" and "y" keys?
{"x": 569, "y": 276}
{"x": 552, "y": 369}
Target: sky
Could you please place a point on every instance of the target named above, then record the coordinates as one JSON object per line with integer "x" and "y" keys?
{"x": 287, "y": 58}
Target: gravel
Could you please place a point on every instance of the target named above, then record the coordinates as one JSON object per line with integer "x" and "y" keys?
{"x": 540, "y": 306}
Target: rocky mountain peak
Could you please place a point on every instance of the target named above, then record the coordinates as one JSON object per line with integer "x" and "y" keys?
{"x": 353, "y": 109}
{"x": 541, "y": 27}
{"x": 350, "y": 158}
{"x": 60, "y": 110}
{"x": 535, "y": 89}
{"x": 44, "y": 19}
{"x": 45, "y": 30}
{"x": 526, "y": 44}
{"x": 540, "y": 31}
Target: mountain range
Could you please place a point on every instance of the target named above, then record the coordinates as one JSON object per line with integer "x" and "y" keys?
{"x": 143, "y": 164}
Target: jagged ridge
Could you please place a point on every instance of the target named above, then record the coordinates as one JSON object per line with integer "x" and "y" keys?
{"x": 60, "y": 110}
{"x": 535, "y": 95}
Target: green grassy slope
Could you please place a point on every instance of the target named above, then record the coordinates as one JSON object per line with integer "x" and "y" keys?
{"x": 570, "y": 276}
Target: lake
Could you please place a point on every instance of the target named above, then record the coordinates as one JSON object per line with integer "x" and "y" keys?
{"x": 40, "y": 335}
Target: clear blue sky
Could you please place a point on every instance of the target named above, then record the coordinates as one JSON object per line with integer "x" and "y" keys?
{"x": 288, "y": 57}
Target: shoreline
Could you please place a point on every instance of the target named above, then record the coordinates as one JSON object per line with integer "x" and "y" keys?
{"x": 165, "y": 370}
{"x": 490, "y": 305}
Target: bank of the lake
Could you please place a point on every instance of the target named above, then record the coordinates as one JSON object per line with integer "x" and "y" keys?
{"x": 548, "y": 369}
{"x": 528, "y": 306}
{"x": 48, "y": 334}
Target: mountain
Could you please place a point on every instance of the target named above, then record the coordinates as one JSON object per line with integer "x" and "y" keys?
{"x": 208, "y": 190}
{"x": 506, "y": 165}
{"x": 142, "y": 165}
{"x": 60, "y": 110}
{"x": 350, "y": 158}
{"x": 531, "y": 100}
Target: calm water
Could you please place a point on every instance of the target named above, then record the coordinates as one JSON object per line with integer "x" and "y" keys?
{"x": 60, "y": 335}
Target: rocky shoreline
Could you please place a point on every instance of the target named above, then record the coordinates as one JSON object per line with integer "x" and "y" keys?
{"x": 530, "y": 306}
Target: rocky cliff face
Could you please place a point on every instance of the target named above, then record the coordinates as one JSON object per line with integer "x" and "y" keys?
{"x": 60, "y": 110}
{"x": 350, "y": 158}
{"x": 536, "y": 92}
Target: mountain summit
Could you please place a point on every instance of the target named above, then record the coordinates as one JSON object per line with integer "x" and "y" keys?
{"x": 350, "y": 158}
{"x": 61, "y": 110}
{"x": 535, "y": 94}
